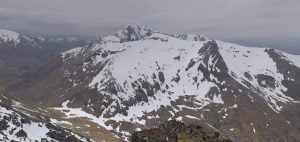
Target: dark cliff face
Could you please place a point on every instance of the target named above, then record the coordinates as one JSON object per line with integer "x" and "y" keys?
{"x": 210, "y": 50}
{"x": 174, "y": 131}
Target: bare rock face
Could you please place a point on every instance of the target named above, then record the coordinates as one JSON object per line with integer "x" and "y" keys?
{"x": 174, "y": 131}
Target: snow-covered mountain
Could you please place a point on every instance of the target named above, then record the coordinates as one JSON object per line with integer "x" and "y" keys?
{"x": 10, "y": 39}
{"x": 138, "y": 78}
{"x": 9, "y": 36}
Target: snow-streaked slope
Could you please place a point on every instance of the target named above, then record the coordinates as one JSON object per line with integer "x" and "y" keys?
{"x": 16, "y": 127}
{"x": 22, "y": 124}
{"x": 159, "y": 55}
{"x": 73, "y": 52}
{"x": 243, "y": 60}
{"x": 34, "y": 131}
{"x": 141, "y": 59}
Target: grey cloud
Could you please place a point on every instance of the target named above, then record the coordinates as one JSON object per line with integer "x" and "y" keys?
{"x": 225, "y": 19}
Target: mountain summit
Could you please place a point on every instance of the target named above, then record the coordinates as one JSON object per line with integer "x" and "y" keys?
{"x": 133, "y": 32}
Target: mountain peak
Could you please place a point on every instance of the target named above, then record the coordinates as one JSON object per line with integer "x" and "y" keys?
{"x": 137, "y": 26}
{"x": 133, "y": 33}
{"x": 137, "y": 32}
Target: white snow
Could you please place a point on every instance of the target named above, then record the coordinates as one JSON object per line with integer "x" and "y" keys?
{"x": 234, "y": 106}
{"x": 225, "y": 116}
{"x": 65, "y": 122}
{"x": 192, "y": 117}
{"x": 34, "y": 131}
{"x": 7, "y": 35}
{"x": 179, "y": 118}
{"x": 253, "y": 129}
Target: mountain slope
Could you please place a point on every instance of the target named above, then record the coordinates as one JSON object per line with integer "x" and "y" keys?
{"x": 138, "y": 78}
{"x": 21, "y": 55}
{"x": 17, "y": 126}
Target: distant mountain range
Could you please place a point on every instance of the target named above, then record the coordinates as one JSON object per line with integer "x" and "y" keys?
{"x": 13, "y": 39}
{"x": 138, "y": 78}
{"x": 21, "y": 55}
{"x": 289, "y": 45}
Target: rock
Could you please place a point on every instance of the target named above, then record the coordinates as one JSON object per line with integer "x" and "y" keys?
{"x": 174, "y": 131}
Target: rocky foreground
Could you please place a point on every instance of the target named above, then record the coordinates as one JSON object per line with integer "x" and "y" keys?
{"x": 174, "y": 131}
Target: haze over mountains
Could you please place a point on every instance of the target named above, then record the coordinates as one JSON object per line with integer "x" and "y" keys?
{"x": 223, "y": 20}
{"x": 289, "y": 45}
{"x": 138, "y": 78}
{"x": 286, "y": 44}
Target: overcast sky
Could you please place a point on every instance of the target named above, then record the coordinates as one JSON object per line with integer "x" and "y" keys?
{"x": 222, "y": 19}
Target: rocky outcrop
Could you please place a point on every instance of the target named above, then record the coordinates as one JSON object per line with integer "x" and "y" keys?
{"x": 174, "y": 131}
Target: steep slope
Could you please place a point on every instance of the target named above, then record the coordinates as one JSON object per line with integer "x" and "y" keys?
{"x": 138, "y": 78}
{"x": 17, "y": 126}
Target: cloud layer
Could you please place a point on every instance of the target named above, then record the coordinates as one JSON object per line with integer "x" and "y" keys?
{"x": 224, "y": 19}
